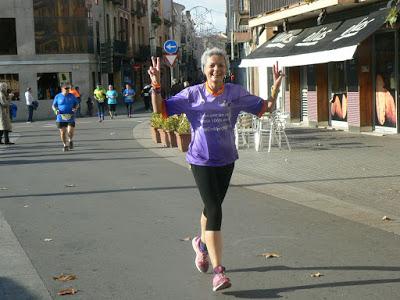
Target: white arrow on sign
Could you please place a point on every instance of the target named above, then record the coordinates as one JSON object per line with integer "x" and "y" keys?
{"x": 169, "y": 46}
{"x": 171, "y": 59}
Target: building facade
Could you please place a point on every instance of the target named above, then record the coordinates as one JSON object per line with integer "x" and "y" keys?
{"x": 83, "y": 42}
{"x": 341, "y": 60}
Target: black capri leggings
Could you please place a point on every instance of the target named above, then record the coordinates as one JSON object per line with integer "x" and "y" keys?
{"x": 213, "y": 183}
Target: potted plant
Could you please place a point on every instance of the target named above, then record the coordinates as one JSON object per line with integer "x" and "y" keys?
{"x": 169, "y": 125}
{"x": 183, "y": 136}
{"x": 155, "y": 124}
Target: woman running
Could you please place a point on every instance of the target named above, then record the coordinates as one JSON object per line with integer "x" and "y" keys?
{"x": 212, "y": 109}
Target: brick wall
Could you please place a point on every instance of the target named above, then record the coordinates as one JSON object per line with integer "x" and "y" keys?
{"x": 353, "y": 109}
{"x": 312, "y": 106}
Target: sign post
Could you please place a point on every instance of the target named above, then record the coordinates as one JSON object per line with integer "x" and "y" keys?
{"x": 170, "y": 56}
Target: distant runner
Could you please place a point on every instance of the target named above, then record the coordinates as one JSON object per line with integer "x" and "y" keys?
{"x": 65, "y": 106}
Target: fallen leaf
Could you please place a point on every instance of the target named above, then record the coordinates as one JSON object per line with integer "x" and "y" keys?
{"x": 386, "y": 218}
{"x": 47, "y": 240}
{"x": 69, "y": 185}
{"x": 26, "y": 205}
{"x": 186, "y": 239}
{"x": 318, "y": 274}
{"x": 3, "y": 188}
{"x": 68, "y": 291}
{"x": 65, "y": 277}
{"x": 269, "y": 255}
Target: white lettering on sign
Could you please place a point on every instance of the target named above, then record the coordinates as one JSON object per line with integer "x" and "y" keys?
{"x": 315, "y": 37}
{"x": 355, "y": 29}
{"x": 281, "y": 40}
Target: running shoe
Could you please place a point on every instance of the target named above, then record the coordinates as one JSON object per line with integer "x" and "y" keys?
{"x": 220, "y": 280}
{"x": 66, "y": 148}
{"x": 71, "y": 145}
{"x": 201, "y": 260}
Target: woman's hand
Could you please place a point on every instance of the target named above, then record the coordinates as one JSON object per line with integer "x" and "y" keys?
{"x": 278, "y": 76}
{"x": 154, "y": 71}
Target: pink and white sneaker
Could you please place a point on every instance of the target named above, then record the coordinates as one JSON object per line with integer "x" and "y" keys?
{"x": 220, "y": 280}
{"x": 201, "y": 260}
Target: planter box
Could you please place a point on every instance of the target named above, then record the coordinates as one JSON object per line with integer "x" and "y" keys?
{"x": 165, "y": 141}
{"x": 172, "y": 138}
{"x": 155, "y": 135}
{"x": 183, "y": 141}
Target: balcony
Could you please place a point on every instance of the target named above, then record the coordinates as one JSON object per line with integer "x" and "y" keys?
{"x": 140, "y": 10}
{"x": 143, "y": 54}
{"x": 120, "y": 48}
{"x": 258, "y": 7}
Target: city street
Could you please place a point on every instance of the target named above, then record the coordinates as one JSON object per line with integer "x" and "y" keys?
{"x": 118, "y": 215}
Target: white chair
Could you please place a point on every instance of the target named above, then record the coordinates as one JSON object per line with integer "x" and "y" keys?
{"x": 274, "y": 125}
{"x": 244, "y": 128}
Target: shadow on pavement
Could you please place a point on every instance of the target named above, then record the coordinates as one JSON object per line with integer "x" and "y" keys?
{"x": 69, "y": 193}
{"x": 10, "y": 289}
{"x": 275, "y": 293}
{"x": 344, "y": 268}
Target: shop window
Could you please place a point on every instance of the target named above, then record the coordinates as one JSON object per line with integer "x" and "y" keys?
{"x": 8, "y": 45}
{"x": 352, "y": 75}
{"x": 338, "y": 98}
{"x": 49, "y": 84}
{"x": 385, "y": 80}
{"x": 311, "y": 78}
{"x": 12, "y": 85}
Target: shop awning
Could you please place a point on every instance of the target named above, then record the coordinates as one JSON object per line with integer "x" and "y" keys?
{"x": 320, "y": 44}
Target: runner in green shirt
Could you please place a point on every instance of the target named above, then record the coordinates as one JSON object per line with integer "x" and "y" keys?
{"x": 100, "y": 96}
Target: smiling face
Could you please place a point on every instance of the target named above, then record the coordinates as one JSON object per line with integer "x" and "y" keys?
{"x": 215, "y": 69}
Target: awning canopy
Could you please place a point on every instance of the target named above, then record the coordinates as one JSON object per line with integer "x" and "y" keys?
{"x": 320, "y": 44}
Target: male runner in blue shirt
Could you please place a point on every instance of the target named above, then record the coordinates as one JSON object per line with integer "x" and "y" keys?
{"x": 64, "y": 106}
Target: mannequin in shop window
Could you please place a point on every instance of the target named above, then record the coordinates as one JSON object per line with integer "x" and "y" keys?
{"x": 385, "y": 104}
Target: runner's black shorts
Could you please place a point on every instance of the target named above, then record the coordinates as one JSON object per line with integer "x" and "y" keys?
{"x": 65, "y": 124}
{"x": 112, "y": 107}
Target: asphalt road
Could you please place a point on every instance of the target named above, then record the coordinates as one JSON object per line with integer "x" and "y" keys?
{"x": 116, "y": 213}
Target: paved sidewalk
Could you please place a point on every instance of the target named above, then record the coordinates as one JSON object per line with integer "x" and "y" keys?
{"x": 354, "y": 176}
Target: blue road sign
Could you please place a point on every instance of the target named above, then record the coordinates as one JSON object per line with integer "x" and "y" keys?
{"x": 170, "y": 47}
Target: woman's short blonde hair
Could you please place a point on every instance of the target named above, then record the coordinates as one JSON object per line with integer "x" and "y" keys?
{"x": 213, "y": 51}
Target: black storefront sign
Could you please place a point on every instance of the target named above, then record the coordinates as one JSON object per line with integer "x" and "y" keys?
{"x": 338, "y": 35}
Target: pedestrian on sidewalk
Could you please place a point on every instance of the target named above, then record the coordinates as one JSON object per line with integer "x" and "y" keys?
{"x": 100, "y": 95}
{"x": 212, "y": 109}
{"x": 128, "y": 94}
{"x": 111, "y": 100}
{"x": 146, "y": 96}
{"x": 65, "y": 106}
{"x": 29, "y": 104}
{"x": 5, "y": 120}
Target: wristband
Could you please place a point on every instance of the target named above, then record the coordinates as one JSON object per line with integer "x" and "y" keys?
{"x": 156, "y": 85}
